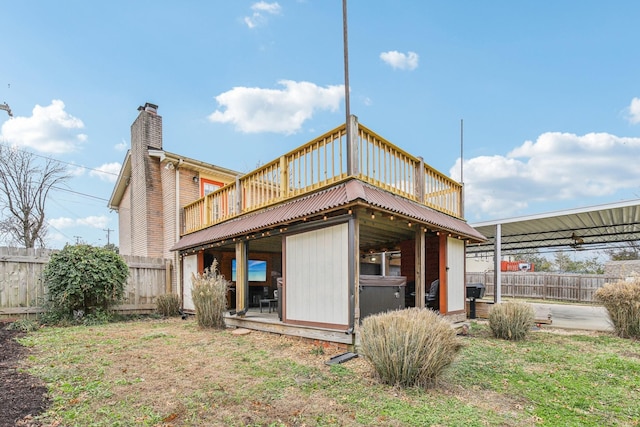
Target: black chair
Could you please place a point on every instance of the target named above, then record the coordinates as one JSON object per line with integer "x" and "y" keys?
{"x": 432, "y": 299}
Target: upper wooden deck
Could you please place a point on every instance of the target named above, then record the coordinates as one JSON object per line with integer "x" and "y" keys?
{"x": 323, "y": 162}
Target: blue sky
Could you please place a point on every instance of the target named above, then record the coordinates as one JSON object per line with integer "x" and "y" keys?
{"x": 549, "y": 91}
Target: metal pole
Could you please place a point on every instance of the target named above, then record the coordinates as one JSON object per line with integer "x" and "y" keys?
{"x": 462, "y": 167}
{"x": 497, "y": 273}
{"x": 347, "y": 107}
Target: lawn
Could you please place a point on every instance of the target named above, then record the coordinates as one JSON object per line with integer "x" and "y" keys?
{"x": 171, "y": 373}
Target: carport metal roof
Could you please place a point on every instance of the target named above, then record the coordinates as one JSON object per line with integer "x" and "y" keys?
{"x": 593, "y": 227}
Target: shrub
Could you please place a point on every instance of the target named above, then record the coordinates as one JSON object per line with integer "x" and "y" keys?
{"x": 409, "y": 347}
{"x": 209, "y": 294}
{"x": 511, "y": 320}
{"x": 81, "y": 279}
{"x": 168, "y": 305}
{"x": 622, "y": 301}
{"x": 24, "y": 325}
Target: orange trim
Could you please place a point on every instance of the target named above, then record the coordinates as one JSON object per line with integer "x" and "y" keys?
{"x": 200, "y": 262}
{"x": 204, "y": 181}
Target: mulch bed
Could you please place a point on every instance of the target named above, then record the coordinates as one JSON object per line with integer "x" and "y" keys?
{"x": 22, "y": 396}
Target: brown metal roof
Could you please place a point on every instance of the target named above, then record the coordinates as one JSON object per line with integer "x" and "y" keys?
{"x": 340, "y": 195}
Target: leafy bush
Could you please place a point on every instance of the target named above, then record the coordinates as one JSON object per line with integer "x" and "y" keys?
{"x": 81, "y": 279}
{"x": 409, "y": 347}
{"x": 24, "y": 325}
{"x": 168, "y": 305}
{"x": 622, "y": 301}
{"x": 511, "y": 320}
{"x": 209, "y": 294}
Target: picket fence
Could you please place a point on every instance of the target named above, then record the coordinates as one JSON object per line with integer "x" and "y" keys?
{"x": 22, "y": 290}
{"x": 545, "y": 286}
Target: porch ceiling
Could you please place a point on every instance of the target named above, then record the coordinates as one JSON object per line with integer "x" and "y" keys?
{"x": 339, "y": 197}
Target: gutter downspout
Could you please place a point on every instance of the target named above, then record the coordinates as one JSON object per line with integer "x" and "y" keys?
{"x": 177, "y": 258}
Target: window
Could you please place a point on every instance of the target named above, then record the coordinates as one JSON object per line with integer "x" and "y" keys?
{"x": 208, "y": 186}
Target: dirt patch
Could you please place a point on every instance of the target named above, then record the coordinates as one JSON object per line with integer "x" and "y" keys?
{"x": 22, "y": 396}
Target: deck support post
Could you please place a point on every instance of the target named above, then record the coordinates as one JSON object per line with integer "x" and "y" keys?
{"x": 353, "y": 151}
{"x": 419, "y": 181}
{"x": 242, "y": 279}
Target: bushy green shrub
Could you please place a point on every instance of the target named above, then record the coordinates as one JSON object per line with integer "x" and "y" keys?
{"x": 511, "y": 320}
{"x": 209, "y": 294}
{"x": 622, "y": 301}
{"x": 81, "y": 279}
{"x": 409, "y": 347}
{"x": 168, "y": 305}
{"x": 24, "y": 325}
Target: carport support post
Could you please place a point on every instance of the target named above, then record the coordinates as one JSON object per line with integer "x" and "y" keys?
{"x": 242, "y": 282}
{"x": 497, "y": 274}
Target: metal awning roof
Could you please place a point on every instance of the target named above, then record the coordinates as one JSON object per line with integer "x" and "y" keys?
{"x": 348, "y": 193}
{"x": 593, "y": 227}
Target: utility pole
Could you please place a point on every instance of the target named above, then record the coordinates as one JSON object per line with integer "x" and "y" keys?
{"x": 108, "y": 230}
{"x": 77, "y": 239}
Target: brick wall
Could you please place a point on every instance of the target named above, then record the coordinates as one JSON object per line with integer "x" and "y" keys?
{"x": 145, "y": 186}
{"x": 124, "y": 223}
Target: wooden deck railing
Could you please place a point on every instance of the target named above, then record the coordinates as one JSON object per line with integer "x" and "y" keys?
{"x": 321, "y": 163}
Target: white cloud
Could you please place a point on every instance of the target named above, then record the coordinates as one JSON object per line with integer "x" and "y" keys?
{"x": 400, "y": 60}
{"x": 634, "y": 111}
{"x": 74, "y": 170}
{"x": 50, "y": 129}
{"x": 258, "y": 17}
{"x": 254, "y": 110}
{"x": 557, "y": 166}
{"x": 99, "y": 222}
{"x": 122, "y": 146}
{"x": 107, "y": 172}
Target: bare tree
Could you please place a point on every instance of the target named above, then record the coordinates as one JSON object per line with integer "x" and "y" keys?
{"x": 24, "y": 187}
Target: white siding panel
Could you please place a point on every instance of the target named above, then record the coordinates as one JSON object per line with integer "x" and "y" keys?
{"x": 189, "y": 265}
{"x": 317, "y": 276}
{"x": 456, "y": 290}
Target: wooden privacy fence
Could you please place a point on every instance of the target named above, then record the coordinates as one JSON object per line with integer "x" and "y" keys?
{"x": 22, "y": 290}
{"x": 546, "y": 286}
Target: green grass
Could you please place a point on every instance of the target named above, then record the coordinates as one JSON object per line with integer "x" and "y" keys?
{"x": 172, "y": 373}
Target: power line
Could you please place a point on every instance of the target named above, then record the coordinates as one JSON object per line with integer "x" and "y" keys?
{"x": 59, "y": 161}
{"x": 79, "y": 193}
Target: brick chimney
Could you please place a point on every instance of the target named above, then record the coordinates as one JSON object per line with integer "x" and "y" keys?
{"x": 146, "y": 131}
{"x": 145, "y": 189}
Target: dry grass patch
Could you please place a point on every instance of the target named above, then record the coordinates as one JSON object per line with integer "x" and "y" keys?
{"x": 172, "y": 373}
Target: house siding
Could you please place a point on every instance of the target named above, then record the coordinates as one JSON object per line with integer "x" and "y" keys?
{"x": 124, "y": 222}
{"x": 456, "y": 290}
{"x": 316, "y": 277}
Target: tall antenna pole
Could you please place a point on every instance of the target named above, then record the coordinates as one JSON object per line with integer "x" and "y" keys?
{"x": 346, "y": 61}
{"x": 347, "y": 107}
{"x": 461, "y": 151}
{"x": 462, "y": 167}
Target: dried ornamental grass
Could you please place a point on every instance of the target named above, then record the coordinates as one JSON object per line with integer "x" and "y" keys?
{"x": 622, "y": 301}
{"x": 511, "y": 320}
{"x": 209, "y": 294}
{"x": 168, "y": 305}
{"x": 409, "y": 347}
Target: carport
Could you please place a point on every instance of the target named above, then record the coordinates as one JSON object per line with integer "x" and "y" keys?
{"x": 595, "y": 227}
